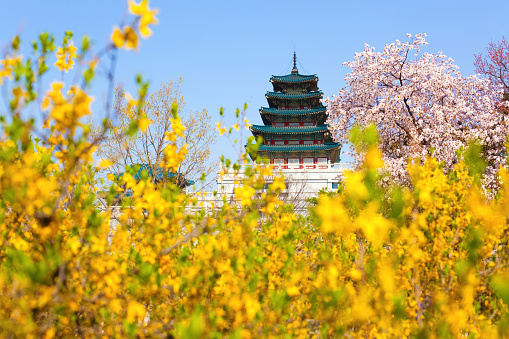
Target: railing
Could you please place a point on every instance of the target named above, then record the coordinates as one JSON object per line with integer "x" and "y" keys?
{"x": 327, "y": 167}
{"x": 342, "y": 166}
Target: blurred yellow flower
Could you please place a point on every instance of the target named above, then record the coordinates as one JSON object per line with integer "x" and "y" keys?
{"x": 334, "y": 216}
{"x": 143, "y": 123}
{"x": 178, "y": 128}
{"x": 65, "y": 57}
{"x": 244, "y": 193}
{"x": 7, "y": 66}
{"x": 135, "y": 311}
{"x": 126, "y": 37}
{"x": 147, "y": 16}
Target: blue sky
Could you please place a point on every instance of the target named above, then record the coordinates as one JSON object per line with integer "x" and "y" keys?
{"x": 226, "y": 51}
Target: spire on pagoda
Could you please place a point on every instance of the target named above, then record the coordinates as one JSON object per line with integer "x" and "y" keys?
{"x": 295, "y": 70}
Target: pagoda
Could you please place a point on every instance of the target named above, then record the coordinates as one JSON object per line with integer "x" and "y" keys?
{"x": 294, "y": 131}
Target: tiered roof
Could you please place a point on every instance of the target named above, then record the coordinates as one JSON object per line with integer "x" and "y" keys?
{"x": 289, "y": 130}
{"x": 292, "y": 78}
{"x": 299, "y": 94}
{"x": 288, "y": 96}
{"x": 275, "y": 111}
{"x": 159, "y": 175}
{"x": 268, "y": 114}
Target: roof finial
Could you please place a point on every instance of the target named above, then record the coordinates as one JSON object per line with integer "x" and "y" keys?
{"x": 294, "y": 70}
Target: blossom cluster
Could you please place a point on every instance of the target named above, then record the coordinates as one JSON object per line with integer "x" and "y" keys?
{"x": 421, "y": 105}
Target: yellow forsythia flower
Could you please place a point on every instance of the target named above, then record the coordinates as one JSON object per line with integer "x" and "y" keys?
{"x": 143, "y": 123}
{"x": 292, "y": 291}
{"x": 333, "y": 215}
{"x": 355, "y": 185}
{"x": 374, "y": 225}
{"x": 66, "y": 111}
{"x": 374, "y": 158}
{"x": 135, "y": 311}
{"x": 220, "y": 128}
{"x": 177, "y": 126}
{"x": 173, "y": 157}
{"x": 7, "y": 66}
{"x": 126, "y": 37}
{"x": 65, "y": 57}
{"x": 171, "y": 136}
{"x": 244, "y": 193}
{"x": 105, "y": 163}
{"x": 278, "y": 184}
{"x": 116, "y": 305}
{"x": 355, "y": 274}
{"x": 252, "y": 306}
{"x": 147, "y": 16}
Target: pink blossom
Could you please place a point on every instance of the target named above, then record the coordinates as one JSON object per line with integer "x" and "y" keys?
{"x": 419, "y": 101}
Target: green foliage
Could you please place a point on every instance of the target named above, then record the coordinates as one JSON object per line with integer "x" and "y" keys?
{"x": 475, "y": 161}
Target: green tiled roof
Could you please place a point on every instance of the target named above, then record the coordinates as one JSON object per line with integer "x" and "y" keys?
{"x": 281, "y": 95}
{"x": 288, "y": 130}
{"x": 292, "y": 78}
{"x": 159, "y": 175}
{"x": 269, "y": 110}
{"x": 299, "y": 148}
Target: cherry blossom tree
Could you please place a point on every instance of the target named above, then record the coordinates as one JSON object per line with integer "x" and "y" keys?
{"x": 420, "y": 104}
{"x": 495, "y": 65}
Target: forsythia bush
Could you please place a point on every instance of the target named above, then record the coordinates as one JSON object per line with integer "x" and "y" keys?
{"x": 369, "y": 261}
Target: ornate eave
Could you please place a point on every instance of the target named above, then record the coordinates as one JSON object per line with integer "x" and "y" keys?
{"x": 293, "y": 112}
{"x": 288, "y": 130}
{"x": 294, "y": 78}
{"x": 288, "y": 96}
{"x": 269, "y": 114}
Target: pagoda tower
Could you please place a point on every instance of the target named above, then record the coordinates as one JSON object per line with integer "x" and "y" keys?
{"x": 296, "y": 140}
{"x": 294, "y": 131}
